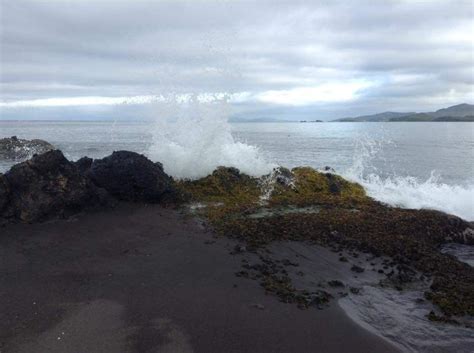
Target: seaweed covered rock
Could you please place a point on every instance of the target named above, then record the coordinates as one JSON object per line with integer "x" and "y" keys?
{"x": 46, "y": 186}
{"x": 225, "y": 192}
{"x": 311, "y": 187}
{"x": 298, "y": 187}
{"x": 225, "y": 185}
{"x": 131, "y": 176}
{"x": 15, "y": 148}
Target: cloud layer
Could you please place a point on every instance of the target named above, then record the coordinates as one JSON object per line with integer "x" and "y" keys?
{"x": 317, "y": 59}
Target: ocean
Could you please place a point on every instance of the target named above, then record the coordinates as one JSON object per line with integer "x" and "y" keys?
{"x": 407, "y": 164}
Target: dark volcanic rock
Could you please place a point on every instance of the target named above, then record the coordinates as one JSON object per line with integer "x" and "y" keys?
{"x": 15, "y": 148}
{"x": 334, "y": 183}
{"x": 357, "y": 269}
{"x": 84, "y": 164}
{"x": 283, "y": 176}
{"x": 131, "y": 176}
{"x": 4, "y": 193}
{"x": 463, "y": 237}
{"x": 48, "y": 185}
{"x": 336, "y": 283}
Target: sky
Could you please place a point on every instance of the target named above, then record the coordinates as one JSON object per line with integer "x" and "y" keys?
{"x": 291, "y": 60}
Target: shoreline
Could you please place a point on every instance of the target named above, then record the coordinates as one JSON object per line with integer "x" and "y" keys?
{"x": 160, "y": 280}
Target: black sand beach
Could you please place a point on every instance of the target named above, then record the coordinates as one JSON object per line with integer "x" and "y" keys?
{"x": 142, "y": 278}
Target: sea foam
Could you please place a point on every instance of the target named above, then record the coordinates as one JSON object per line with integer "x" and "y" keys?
{"x": 408, "y": 191}
{"x": 191, "y": 137}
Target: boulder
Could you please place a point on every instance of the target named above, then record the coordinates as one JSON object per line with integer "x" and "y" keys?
{"x": 131, "y": 176}
{"x": 48, "y": 185}
{"x": 15, "y": 148}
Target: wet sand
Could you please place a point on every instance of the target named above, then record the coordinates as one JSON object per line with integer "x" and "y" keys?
{"x": 147, "y": 279}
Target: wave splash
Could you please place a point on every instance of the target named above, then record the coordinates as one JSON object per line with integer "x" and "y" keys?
{"x": 192, "y": 136}
{"x": 407, "y": 191}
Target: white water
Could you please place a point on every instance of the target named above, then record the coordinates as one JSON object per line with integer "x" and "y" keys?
{"x": 408, "y": 191}
{"x": 191, "y": 138}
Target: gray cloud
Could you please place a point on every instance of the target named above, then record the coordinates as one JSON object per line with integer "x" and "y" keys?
{"x": 405, "y": 55}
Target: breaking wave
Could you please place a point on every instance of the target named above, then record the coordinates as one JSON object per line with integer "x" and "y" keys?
{"x": 192, "y": 137}
{"x": 408, "y": 191}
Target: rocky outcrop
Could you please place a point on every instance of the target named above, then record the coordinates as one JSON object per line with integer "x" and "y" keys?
{"x": 46, "y": 186}
{"x": 15, "y": 148}
{"x": 83, "y": 164}
{"x": 130, "y": 176}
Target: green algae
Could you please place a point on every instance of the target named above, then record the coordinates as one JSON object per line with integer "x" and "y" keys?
{"x": 224, "y": 193}
{"x": 227, "y": 192}
{"x": 311, "y": 187}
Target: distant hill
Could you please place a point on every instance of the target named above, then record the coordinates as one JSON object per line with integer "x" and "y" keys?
{"x": 386, "y": 116}
{"x": 428, "y": 117}
{"x": 460, "y": 112}
{"x": 413, "y": 117}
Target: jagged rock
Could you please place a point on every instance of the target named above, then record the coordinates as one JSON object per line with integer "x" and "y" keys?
{"x": 84, "y": 164}
{"x": 283, "y": 176}
{"x": 329, "y": 169}
{"x": 48, "y": 185}
{"x": 131, "y": 176}
{"x": 15, "y": 148}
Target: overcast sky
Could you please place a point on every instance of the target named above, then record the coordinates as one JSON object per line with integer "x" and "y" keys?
{"x": 285, "y": 60}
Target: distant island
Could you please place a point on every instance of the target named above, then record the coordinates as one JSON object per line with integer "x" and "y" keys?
{"x": 457, "y": 113}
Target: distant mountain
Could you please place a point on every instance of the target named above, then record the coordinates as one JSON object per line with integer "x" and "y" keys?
{"x": 457, "y": 111}
{"x": 386, "y": 116}
{"x": 429, "y": 117}
{"x": 460, "y": 112}
{"x": 413, "y": 117}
